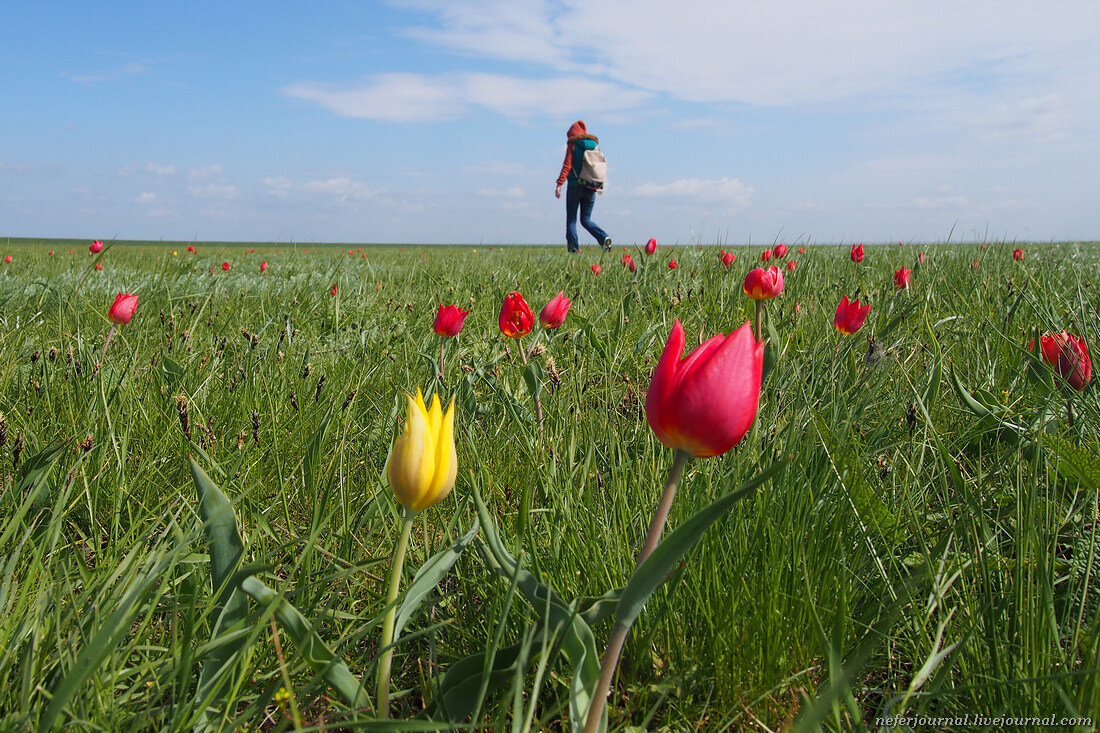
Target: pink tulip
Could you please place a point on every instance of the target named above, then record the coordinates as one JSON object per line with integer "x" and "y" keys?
{"x": 263, "y": 266}
{"x": 761, "y": 284}
{"x": 780, "y": 250}
{"x": 651, "y": 246}
{"x": 553, "y": 313}
{"x": 449, "y": 320}
{"x": 123, "y": 308}
{"x": 920, "y": 258}
{"x": 765, "y": 255}
{"x": 96, "y": 247}
{"x": 705, "y": 403}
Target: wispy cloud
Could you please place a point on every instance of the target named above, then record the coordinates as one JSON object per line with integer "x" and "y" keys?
{"x": 213, "y": 191}
{"x": 160, "y": 170}
{"x": 407, "y": 97}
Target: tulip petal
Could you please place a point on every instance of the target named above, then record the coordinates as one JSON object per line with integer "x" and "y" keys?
{"x": 412, "y": 462}
{"x": 446, "y": 460}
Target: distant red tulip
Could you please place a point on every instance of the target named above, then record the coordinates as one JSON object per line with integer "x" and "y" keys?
{"x": 225, "y": 266}
{"x": 263, "y": 266}
{"x": 672, "y": 264}
{"x": 651, "y": 246}
{"x": 901, "y": 277}
{"x": 1018, "y": 254}
{"x": 123, "y": 308}
{"x": 449, "y": 320}
{"x": 72, "y": 251}
{"x": 632, "y": 265}
{"x": 728, "y": 259}
{"x": 857, "y": 253}
{"x": 704, "y": 404}
{"x": 553, "y": 313}
{"x": 191, "y": 249}
{"x": 780, "y": 250}
{"x": 849, "y": 317}
{"x": 51, "y": 252}
{"x": 791, "y": 264}
{"x": 95, "y": 247}
{"x": 920, "y": 258}
{"x": 765, "y": 255}
{"x": 626, "y": 259}
{"x": 1069, "y": 356}
{"x": 516, "y": 318}
{"x": 801, "y": 250}
{"x": 761, "y": 284}
{"x": 975, "y": 265}
{"x": 98, "y": 266}
{"x": 251, "y": 251}
{"x": 333, "y": 291}
{"x": 596, "y": 269}
{"x": 7, "y": 259}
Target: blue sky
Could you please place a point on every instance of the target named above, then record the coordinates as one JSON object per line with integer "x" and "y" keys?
{"x": 444, "y": 120}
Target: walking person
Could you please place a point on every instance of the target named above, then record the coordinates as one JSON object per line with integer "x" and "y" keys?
{"x": 580, "y": 195}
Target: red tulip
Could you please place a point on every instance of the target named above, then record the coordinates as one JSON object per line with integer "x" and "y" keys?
{"x": 225, "y": 267}
{"x": 72, "y": 251}
{"x": 780, "y": 250}
{"x": 975, "y": 265}
{"x": 97, "y": 266}
{"x": 920, "y": 258}
{"x": 857, "y": 253}
{"x": 850, "y": 316}
{"x": 191, "y": 249}
{"x": 801, "y": 250}
{"x": 728, "y": 259}
{"x": 901, "y": 277}
{"x": 1018, "y": 254}
{"x": 651, "y": 246}
{"x": 596, "y": 269}
{"x": 7, "y": 259}
{"x": 705, "y": 404}
{"x": 625, "y": 259}
{"x": 672, "y": 264}
{"x": 449, "y": 320}
{"x": 333, "y": 291}
{"x": 123, "y": 308}
{"x": 761, "y": 284}
{"x": 516, "y": 318}
{"x": 791, "y": 264}
{"x": 632, "y": 265}
{"x": 1069, "y": 356}
{"x": 765, "y": 255}
{"x": 263, "y": 266}
{"x": 553, "y": 313}
{"x": 96, "y": 247}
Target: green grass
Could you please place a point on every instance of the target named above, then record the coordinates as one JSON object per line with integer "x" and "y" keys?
{"x": 904, "y": 526}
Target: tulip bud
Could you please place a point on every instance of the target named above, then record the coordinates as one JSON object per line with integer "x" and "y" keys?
{"x": 761, "y": 284}
{"x": 423, "y": 463}
{"x": 765, "y": 255}
{"x": 95, "y": 247}
{"x": 672, "y": 264}
{"x": 225, "y": 266}
{"x": 705, "y": 404}
{"x": 651, "y": 246}
{"x": 1069, "y": 356}
{"x": 857, "y": 253}
{"x": 123, "y": 308}
{"x": 449, "y": 320}
{"x": 791, "y": 264}
{"x": 263, "y": 266}
{"x": 780, "y": 250}
{"x": 553, "y": 314}
{"x": 1018, "y": 254}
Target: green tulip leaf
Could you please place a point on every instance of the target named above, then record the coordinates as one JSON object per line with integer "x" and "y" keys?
{"x": 429, "y": 576}
{"x": 1074, "y": 462}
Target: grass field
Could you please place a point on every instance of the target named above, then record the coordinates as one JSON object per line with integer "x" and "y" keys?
{"x": 928, "y": 545}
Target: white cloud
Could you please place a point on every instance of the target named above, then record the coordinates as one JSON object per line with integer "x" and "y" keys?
{"x": 502, "y": 193}
{"x": 203, "y": 172}
{"x": 160, "y": 170}
{"x": 728, "y": 190}
{"x": 213, "y": 191}
{"x": 422, "y": 97}
{"x": 278, "y": 187}
{"x": 145, "y": 198}
{"x": 340, "y": 189}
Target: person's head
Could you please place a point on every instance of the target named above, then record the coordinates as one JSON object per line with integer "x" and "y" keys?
{"x": 577, "y": 128}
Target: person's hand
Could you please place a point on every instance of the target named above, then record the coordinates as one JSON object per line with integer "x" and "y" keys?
{"x": 557, "y": 191}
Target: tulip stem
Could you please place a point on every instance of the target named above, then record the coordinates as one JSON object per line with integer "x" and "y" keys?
{"x": 1069, "y": 412}
{"x": 385, "y": 662}
{"x": 442, "y": 380}
{"x": 535, "y": 395}
{"x": 759, "y": 317}
{"x": 619, "y": 633}
{"x": 102, "y": 356}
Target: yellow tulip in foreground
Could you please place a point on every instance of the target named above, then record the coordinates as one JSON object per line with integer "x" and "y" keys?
{"x": 423, "y": 463}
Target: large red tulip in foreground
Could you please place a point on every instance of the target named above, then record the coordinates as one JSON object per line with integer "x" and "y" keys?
{"x": 849, "y": 317}
{"x": 516, "y": 318}
{"x": 705, "y": 403}
{"x": 449, "y": 320}
{"x": 122, "y": 310}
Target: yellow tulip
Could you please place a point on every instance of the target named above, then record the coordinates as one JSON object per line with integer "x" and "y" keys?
{"x": 423, "y": 463}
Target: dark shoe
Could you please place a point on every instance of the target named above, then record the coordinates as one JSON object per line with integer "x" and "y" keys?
{"x": 606, "y": 244}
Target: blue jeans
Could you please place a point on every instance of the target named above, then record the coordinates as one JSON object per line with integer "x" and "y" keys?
{"x": 579, "y": 197}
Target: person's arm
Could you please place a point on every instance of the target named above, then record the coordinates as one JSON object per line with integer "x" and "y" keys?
{"x": 565, "y": 168}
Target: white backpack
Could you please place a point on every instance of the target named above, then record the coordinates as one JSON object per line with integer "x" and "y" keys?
{"x": 593, "y": 169}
